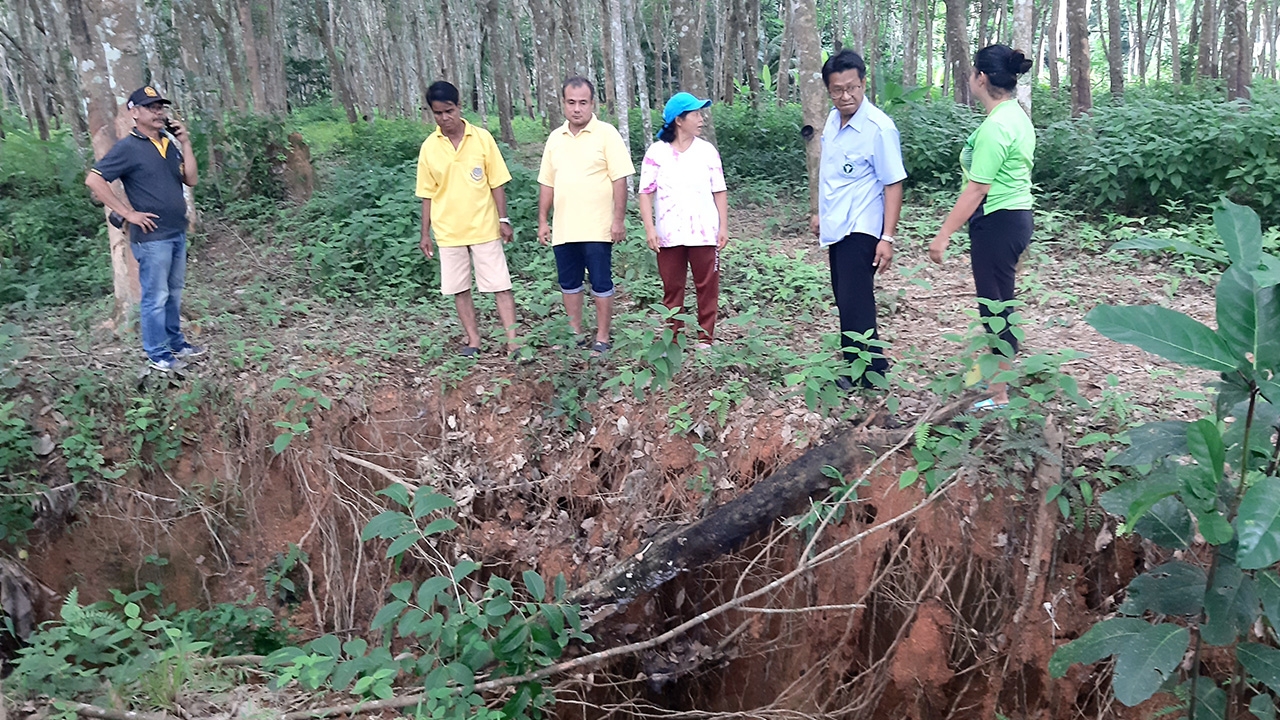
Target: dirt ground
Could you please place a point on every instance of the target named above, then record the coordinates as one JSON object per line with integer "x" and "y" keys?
{"x": 932, "y": 636}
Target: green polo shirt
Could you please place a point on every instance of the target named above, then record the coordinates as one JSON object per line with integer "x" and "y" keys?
{"x": 999, "y": 153}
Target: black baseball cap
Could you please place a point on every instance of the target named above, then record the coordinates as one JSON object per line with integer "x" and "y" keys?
{"x": 146, "y": 95}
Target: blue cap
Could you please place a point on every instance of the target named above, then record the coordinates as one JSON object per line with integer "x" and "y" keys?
{"x": 679, "y": 104}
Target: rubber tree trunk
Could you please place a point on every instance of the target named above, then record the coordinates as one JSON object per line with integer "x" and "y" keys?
{"x": 1175, "y": 49}
{"x": 958, "y": 48}
{"x": 1206, "y": 50}
{"x": 638, "y": 73}
{"x": 98, "y": 30}
{"x": 1024, "y": 27}
{"x": 1078, "y": 41}
{"x": 1237, "y": 51}
{"x": 1053, "y": 40}
{"x": 618, "y": 10}
{"x": 910, "y": 50}
{"x": 688, "y": 18}
{"x": 1115, "y": 60}
{"x": 337, "y": 73}
{"x": 493, "y": 47}
{"x": 813, "y": 95}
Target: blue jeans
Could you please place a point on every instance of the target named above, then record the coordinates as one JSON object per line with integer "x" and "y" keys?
{"x": 162, "y": 268}
{"x": 594, "y": 259}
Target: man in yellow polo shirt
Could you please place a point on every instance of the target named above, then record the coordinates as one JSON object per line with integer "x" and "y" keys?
{"x": 460, "y": 179}
{"x": 584, "y": 173}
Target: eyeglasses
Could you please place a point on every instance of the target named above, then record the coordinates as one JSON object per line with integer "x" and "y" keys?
{"x": 851, "y": 91}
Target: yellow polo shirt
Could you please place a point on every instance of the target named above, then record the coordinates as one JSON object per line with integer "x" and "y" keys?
{"x": 459, "y": 183}
{"x": 581, "y": 169}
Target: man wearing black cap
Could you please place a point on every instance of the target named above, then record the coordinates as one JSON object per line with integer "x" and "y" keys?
{"x": 153, "y": 162}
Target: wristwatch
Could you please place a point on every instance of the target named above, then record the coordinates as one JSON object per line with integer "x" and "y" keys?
{"x": 505, "y": 220}
{"x": 886, "y": 238}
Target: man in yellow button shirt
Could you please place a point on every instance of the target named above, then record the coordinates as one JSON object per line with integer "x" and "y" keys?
{"x": 584, "y": 173}
{"x": 460, "y": 179}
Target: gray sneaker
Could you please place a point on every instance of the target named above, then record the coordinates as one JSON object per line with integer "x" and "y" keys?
{"x": 190, "y": 352}
{"x": 174, "y": 365}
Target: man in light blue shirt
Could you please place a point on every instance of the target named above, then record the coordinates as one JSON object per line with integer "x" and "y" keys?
{"x": 859, "y": 200}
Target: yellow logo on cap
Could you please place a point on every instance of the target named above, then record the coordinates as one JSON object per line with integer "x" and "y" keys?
{"x": 150, "y": 91}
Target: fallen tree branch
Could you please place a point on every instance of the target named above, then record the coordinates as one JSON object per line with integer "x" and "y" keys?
{"x": 786, "y": 492}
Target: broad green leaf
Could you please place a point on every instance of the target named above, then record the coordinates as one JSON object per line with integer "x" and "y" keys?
{"x": 439, "y": 525}
{"x": 398, "y": 494}
{"x": 430, "y": 589}
{"x": 1125, "y": 498}
{"x": 1145, "y": 654}
{"x": 1214, "y": 527}
{"x": 537, "y": 586}
{"x": 1262, "y": 662}
{"x": 1263, "y": 707}
{"x": 1211, "y": 701}
{"x": 1167, "y": 524}
{"x": 463, "y": 569}
{"x": 1241, "y": 233}
{"x": 1268, "y": 584}
{"x": 355, "y": 647}
{"x": 387, "y": 614}
{"x": 1230, "y": 605}
{"x": 426, "y": 501}
{"x": 1248, "y": 318}
{"x": 1164, "y": 332}
{"x": 1178, "y": 246}
{"x": 281, "y": 442}
{"x": 1174, "y": 588}
{"x": 1204, "y": 442}
{"x": 402, "y": 590}
{"x": 402, "y": 543}
{"x": 1152, "y": 441}
{"x": 327, "y": 645}
{"x": 387, "y": 525}
{"x": 1258, "y": 525}
{"x": 1269, "y": 274}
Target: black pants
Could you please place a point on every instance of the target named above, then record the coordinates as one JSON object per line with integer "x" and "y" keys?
{"x": 853, "y": 280}
{"x": 996, "y": 241}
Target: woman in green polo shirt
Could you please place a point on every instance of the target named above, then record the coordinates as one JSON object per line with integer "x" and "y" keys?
{"x": 996, "y": 200}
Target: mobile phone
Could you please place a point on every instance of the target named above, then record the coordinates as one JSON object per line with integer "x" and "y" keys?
{"x": 170, "y": 126}
{"x": 116, "y": 219}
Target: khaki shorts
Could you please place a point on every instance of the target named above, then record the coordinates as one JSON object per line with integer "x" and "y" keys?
{"x": 491, "y": 268}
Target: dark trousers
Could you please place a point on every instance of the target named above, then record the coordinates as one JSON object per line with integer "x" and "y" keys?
{"x": 674, "y": 264}
{"x": 996, "y": 241}
{"x": 853, "y": 280}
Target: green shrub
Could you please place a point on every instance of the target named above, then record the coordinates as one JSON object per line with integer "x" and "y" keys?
{"x": 248, "y": 152}
{"x": 932, "y": 135}
{"x": 383, "y": 142}
{"x": 1138, "y": 157}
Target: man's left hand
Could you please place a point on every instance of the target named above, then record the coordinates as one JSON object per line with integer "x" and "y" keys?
{"x": 506, "y": 232}
{"x": 619, "y": 231}
{"x": 884, "y": 256}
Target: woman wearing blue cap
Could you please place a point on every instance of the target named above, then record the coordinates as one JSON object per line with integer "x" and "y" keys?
{"x": 685, "y": 209}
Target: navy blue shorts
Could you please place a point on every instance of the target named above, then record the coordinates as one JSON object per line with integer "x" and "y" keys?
{"x": 593, "y": 258}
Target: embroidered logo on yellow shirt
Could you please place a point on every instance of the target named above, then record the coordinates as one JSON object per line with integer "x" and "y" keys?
{"x": 477, "y": 174}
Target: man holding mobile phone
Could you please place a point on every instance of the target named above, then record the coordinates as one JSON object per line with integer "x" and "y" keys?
{"x": 154, "y": 162}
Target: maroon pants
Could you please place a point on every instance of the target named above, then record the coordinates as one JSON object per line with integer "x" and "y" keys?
{"x": 674, "y": 264}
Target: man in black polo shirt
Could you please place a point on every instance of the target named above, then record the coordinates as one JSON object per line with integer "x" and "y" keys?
{"x": 153, "y": 162}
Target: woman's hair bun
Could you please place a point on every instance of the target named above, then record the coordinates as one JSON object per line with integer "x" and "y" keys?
{"x": 1018, "y": 63}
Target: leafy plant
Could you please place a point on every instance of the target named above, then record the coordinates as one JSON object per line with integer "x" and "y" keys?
{"x": 1214, "y": 477}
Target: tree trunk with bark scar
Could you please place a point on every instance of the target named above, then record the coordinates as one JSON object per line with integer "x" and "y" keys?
{"x": 1078, "y": 41}
{"x": 813, "y": 96}
{"x": 1024, "y": 22}
{"x": 249, "y": 39}
{"x": 958, "y": 48}
{"x": 108, "y": 120}
{"x": 1237, "y": 52}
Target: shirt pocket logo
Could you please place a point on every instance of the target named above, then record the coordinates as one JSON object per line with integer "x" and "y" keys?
{"x": 477, "y": 173}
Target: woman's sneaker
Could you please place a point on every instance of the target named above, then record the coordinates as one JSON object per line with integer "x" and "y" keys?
{"x": 190, "y": 352}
